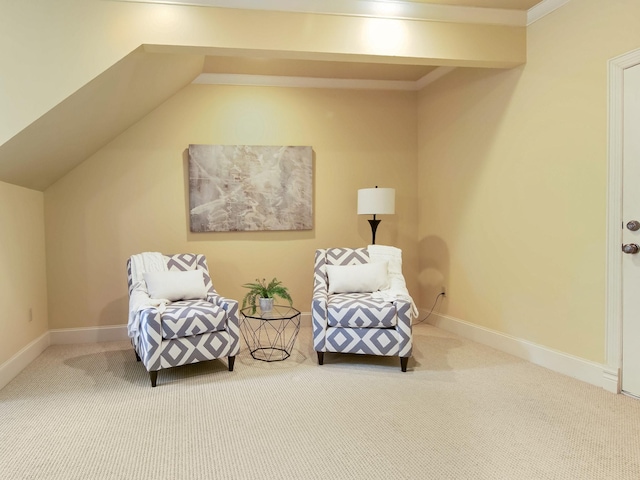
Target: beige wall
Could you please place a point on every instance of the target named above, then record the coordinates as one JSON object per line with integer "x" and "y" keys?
{"x": 132, "y": 195}
{"x": 23, "y": 289}
{"x": 511, "y": 188}
{"x": 513, "y": 174}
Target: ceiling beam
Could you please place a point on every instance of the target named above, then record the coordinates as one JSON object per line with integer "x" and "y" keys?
{"x": 368, "y": 8}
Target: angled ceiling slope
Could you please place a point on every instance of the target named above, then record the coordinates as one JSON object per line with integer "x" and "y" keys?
{"x": 94, "y": 115}
{"x": 87, "y": 120}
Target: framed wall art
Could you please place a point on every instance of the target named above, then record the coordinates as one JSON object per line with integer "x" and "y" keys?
{"x": 236, "y": 188}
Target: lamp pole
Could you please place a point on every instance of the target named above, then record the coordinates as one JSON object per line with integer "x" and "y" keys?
{"x": 374, "y": 226}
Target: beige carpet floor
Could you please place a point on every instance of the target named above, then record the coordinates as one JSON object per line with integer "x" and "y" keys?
{"x": 462, "y": 411}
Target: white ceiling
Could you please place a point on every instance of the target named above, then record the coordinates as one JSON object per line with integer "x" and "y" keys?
{"x": 65, "y": 136}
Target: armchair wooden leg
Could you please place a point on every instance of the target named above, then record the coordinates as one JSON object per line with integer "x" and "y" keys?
{"x": 154, "y": 377}
{"x": 232, "y": 360}
{"x": 320, "y": 358}
{"x": 403, "y": 363}
{"x": 137, "y": 356}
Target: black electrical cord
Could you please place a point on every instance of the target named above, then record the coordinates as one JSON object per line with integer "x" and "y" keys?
{"x": 432, "y": 307}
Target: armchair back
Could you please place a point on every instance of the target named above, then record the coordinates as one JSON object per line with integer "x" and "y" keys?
{"x": 181, "y": 262}
{"x": 334, "y": 256}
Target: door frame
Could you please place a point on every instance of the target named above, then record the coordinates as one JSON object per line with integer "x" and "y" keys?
{"x": 613, "y": 301}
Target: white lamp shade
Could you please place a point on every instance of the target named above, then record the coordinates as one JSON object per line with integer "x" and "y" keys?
{"x": 376, "y": 201}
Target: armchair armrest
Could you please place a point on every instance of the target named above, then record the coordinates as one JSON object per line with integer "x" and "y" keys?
{"x": 403, "y": 310}
{"x": 215, "y": 298}
{"x": 233, "y": 319}
{"x": 150, "y": 338}
{"x": 319, "y": 301}
{"x": 403, "y": 327}
{"x": 229, "y": 305}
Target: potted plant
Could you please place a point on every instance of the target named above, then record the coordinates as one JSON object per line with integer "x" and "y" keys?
{"x": 265, "y": 293}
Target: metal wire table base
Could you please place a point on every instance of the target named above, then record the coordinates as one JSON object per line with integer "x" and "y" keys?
{"x": 270, "y": 336}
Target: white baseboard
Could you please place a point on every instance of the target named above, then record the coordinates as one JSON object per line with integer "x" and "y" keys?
{"x": 65, "y": 336}
{"x": 12, "y": 367}
{"x": 575, "y": 367}
{"x": 611, "y": 380}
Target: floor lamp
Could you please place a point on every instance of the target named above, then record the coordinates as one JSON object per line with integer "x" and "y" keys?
{"x": 376, "y": 201}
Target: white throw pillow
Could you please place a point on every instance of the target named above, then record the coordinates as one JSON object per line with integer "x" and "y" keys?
{"x": 176, "y": 285}
{"x": 365, "y": 278}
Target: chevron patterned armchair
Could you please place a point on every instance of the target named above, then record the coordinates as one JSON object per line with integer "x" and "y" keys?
{"x": 357, "y": 321}
{"x": 176, "y": 317}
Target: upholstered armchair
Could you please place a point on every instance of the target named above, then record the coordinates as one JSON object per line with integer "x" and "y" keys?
{"x": 176, "y": 317}
{"x": 361, "y": 305}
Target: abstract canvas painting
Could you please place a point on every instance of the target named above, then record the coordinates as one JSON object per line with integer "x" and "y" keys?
{"x": 250, "y": 188}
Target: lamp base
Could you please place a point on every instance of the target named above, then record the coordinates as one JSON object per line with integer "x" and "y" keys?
{"x": 374, "y": 226}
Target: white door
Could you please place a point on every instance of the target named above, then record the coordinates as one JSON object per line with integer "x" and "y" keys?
{"x": 631, "y": 234}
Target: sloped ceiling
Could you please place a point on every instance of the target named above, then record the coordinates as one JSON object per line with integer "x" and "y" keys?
{"x": 94, "y": 115}
{"x": 75, "y": 129}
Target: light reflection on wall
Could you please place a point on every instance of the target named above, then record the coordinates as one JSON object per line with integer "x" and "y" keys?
{"x": 151, "y": 19}
{"x": 387, "y": 9}
{"x": 165, "y": 15}
{"x": 384, "y": 36}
